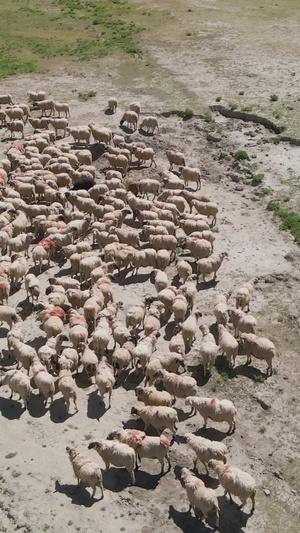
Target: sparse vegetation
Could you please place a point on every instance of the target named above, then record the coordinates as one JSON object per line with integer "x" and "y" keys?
{"x": 219, "y": 98}
{"x": 274, "y": 97}
{"x": 257, "y": 178}
{"x": 290, "y": 220}
{"x": 88, "y": 437}
{"x": 266, "y": 190}
{"x": 11, "y": 455}
{"x": 188, "y": 112}
{"x": 86, "y": 96}
{"x": 241, "y": 93}
{"x": 240, "y": 155}
{"x": 233, "y": 106}
{"x": 208, "y": 118}
{"x": 277, "y": 114}
{"x": 247, "y": 108}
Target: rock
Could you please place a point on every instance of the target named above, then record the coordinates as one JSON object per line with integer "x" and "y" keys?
{"x": 267, "y": 492}
{"x": 213, "y": 138}
{"x": 239, "y": 188}
{"x": 236, "y": 177}
{"x": 277, "y": 474}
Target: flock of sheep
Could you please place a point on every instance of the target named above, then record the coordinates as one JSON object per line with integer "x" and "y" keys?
{"x": 54, "y": 203}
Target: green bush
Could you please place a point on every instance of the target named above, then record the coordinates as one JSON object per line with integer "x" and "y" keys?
{"x": 290, "y": 220}
{"x": 240, "y": 155}
{"x": 257, "y": 178}
{"x": 232, "y": 106}
{"x": 274, "y": 97}
{"x": 85, "y": 96}
{"x": 188, "y": 112}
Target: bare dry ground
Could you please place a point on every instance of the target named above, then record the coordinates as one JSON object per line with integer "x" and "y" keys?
{"x": 37, "y": 487}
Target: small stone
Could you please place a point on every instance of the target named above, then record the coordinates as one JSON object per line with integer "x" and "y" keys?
{"x": 239, "y": 188}
{"x": 267, "y": 492}
{"x": 213, "y": 138}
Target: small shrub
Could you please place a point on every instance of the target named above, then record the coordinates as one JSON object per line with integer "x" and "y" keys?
{"x": 219, "y": 98}
{"x": 293, "y": 73}
{"x": 247, "y": 108}
{"x": 277, "y": 115}
{"x": 70, "y": 523}
{"x": 266, "y": 190}
{"x": 188, "y": 112}
{"x": 274, "y": 97}
{"x": 11, "y": 455}
{"x": 208, "y": 118}
{"x": 289, "y": 219}
{"x": 87, "y": 437}
{"x": 241, "y": 93}
{"x": 215, "y": 229}
{"x": 257, "y": 178}
{"x": 232, "y": 106}
{"x": 85, "y": 96}
{"x": 188, "y": 34}
{"x": 240, "y": 155}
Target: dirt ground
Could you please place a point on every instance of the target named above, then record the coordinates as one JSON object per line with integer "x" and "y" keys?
{"x": 37, "y": 487}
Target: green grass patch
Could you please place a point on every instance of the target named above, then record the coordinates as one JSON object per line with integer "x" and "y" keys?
{"x": 240, "y": 155}
{"x": 188, "y": 112}
{"x": 247, "y": 108}
{"x": 274, "y": 97}
{"x": 11, "y": 455}
{"x": 233, "y": 106}
{"x": 208, "y": 118}
{"x": 257, "y": 178}
{"x": 86, "y": 96}
{"x": 290, "y": 220}
{"x": 266, "y": 190}
{"x": 32, "y": 34}
{"x": 219, "y": 98}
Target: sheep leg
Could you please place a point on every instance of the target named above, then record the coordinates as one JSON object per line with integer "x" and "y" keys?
{"x": 11, "y": 395}
{"x": 131, "y": 472}
{"x": 253, "y": 503}
{"x": 169, "y": 462}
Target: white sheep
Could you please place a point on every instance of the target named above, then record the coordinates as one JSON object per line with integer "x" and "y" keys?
{"x": 189, "y": 329}
{"x": 67, "y": 384}
{"x": 177, "y": 344}
{"x": 17, "y": 382}
{"x": 105, "y": 380}
{"x": 112, "y": 104}
{"x": 175, "y": 158}
{"x": 163, "y": 259}
{"x": 8, "y": 315}
{"x": 178, "y": 386}
{"x": 199, "y": 496}
{"x": 160, "y": 417}
{"x": 161, "y": 280}
{"x": 43, "y": 380}
{"x": 101, "y": 337}
{"x": 135, "y": 316}
{"x": 62, "y": 108}
{"x": 208, "y": 350}
{"x": 242, "y": 322}
{"x": 184, "y": 269}
{"x": 4, "y": 290}
{"x": 152, "y": 396}
{"x": 85, "y": 470}
{"x": 144, "y": 154}
{"x": 89, "y": 359}
{"x": 115, "y": 453}
{"x": 143, "y": 350}
{"x": 200, "y": 248}
{"x": 210, "y": 265}
{"x": 216, "y": 410}
{"x": 244, "y": 294}
{"x": 16, "y": 126}
{"x": 149, "y": 124}
{"x": 206, "y": 449}
{"x": 24, "y": 354}
{"x": 210, "y": 209}
{"x": 100, "y": 133}
{"x": 79, "y": 133}
{"x": 169, "y": 361}
{"x": 179, "y": 308}
{"x": 36, "y": 96}
{"x": 131, "y": 117}
{"x": 122, "y": 357}
{"x": 220, "y": 309}
{"x": 6, "y": 99}
{"x": 228, "y": 344}
{"x": 191, "y": 174}
{"x": 258, "y": 347}
{"x": 46, "y": 105}
{"x": 235, "y": 481}
{"x": 32, "y": 286}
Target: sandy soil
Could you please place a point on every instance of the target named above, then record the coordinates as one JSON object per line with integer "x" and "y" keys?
{"x": 37, "y": 488}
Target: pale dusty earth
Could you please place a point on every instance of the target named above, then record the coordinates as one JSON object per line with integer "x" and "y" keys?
{"x": 37, "y": 487}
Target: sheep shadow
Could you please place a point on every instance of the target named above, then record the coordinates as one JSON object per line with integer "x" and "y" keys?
{"x": 11, "y": 409}
{"x": 205, "y": 285}
{"x": 127, "y": 130}
{"x": 63, "y": 272}
{"x": 7, "y": 359}
{"x": 251, "y": 372}
{"x": 232, "y": 519}
{"x": 26, "y": 308}
{"x": 79, "y": 495}
{"x": 134, "y": 279}
{"x": 58, "y": 411}
{"x": 188, "y": 523}
{"x": 37, "y": 343}
{"x": 146, "y": 133}
{"x": 211, "y": 434}
{"x": 182, "y": 415}
{"x": 118, "y": 479}
{"x": 197, "y": 372}
{"x": 36, "y": 407}
{"x": 133, "y": 380}
{"x": 95, "y": 409}
{"x": 109, "y": 112}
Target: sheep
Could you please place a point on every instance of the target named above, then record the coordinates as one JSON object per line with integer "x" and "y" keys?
{"x": 42, "y": 251}
{"x": 179, "y": 308}
{"x": 149, "y": 186}
{"x": 210, "y": 265}
{"x": 189, "y": 328}
{"x": 220, "y": 309}
{"x": 131, "y": 117}
{"x": 200, "y": 248}
{"x": 163, "y": 259}
{"x": 14, "y": 113}
{"x": 20, "y": 243}
{"x": 258, "y": 347}
{"x": 87, "y": 265}
{"x": 244, "y": 294}
{"x": 118, "y": 161}
{"x": 79, "y": 133}
{"x": 66, "y": 383}
{"x": 39, "y": 123}
{"x": 46, "y": 105}
{"x": 200, "y": 497}
{"x": 8, "y": 315}
{"x": 178, "y": 386}
{"x": 105, "y": 380}
{"x": 115, "y": 453}
{"x": 228, "y": 344}
{"x": 143, "y": 350}
{"x": 216, "y": 410}
{"x": 151, "y": 396}
{"x": 184, "y": 269}
{"x": 89, "y": 359}
{"x": 235, "y": 481}
{"x": 152, "y": 318}
{"x": 122, "y": 357}
{"x": 136, "y": 107}
{"x": 43, "y": 380}
{"x": 135, "y": 316}
{"x": 242, "y": 322}
{"x": 160, "y": 417}
{"x": 91, "y": 308}
{"x": 177, "y": 344}
{"x": 17, "y": 382}
{"x": 112, "y": 104}
{"x": 2, "y": 117}
{"x": 23, "y": 353}
{"x": 85, "y": 470}
{"x": 167, "y": 242}
{"x": 190, "y": 225}
{"x": 208, "y": 350}
{"x": 169, "y": 361}
{"x": 100, "y": 134}
{"x": 50, "y": 349}
{"x": 4, "y": 290}
{"x": 144, "y": 154}
{"x": 149, "y": 124}
{"x": 191, "y": 174}
{"x": 206, "y": 208}
{"x": 161, "y": 280}
{"x": 121, "y": 333}
{"x": 189, "y": 290}
{"x": 206, "y": 449}
{"x": 6, "y": 99}
{"x": 36, "y": 96}
{"x": 175, "y": 158}
{"x": 16, "y": 332}
{"x": 16, "y": 126}
{"x": 62, "y": 108}
{"x": 59, "y": 124}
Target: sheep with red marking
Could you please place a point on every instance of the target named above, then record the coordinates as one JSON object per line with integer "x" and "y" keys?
{"x": 178, "y": 386}
{"x": 200, "y": 497}
{"x": 216, "y": 410}
{"x": 18, "y": 383}
{"x": 235, "y": 481}
{"x": 105, "y": 380}
{"x": 43, "y": 380}
{"x": 85, "y": 470}
{"x": 115, "y": 453}
{"x": 206, "y": 449}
